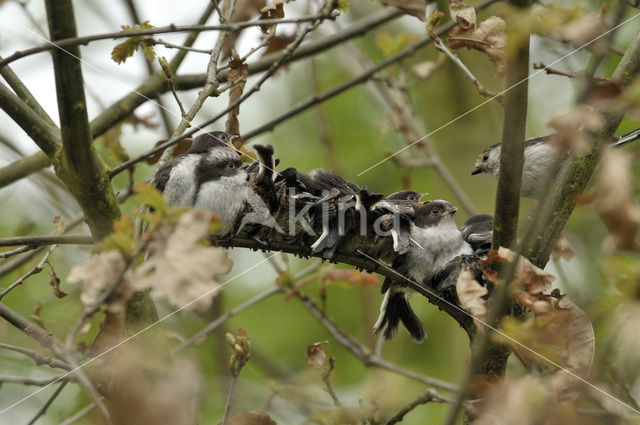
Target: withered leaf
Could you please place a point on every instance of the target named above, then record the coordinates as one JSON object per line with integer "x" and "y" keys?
{"x": 353, "y": 277}
{"x": 274, "y": 10}
{"x": 415, "y": 8}
{"x": 464, "y": 15}
{"x": 572, "y": 129}
{"x": 278, "y": 43}
{"x": 182, "y": 147}
{"x": 316, "y": 356}
{"x": 54, "y": 281}
{"x": 58, "y": 225}
{"x": 489, "y": 37}
{"x": 582, "y": 30}
{"x": 238, "y": 76}
{"x": 470, "y": 294}
{"x": 179, "y": 268}
{"x": 614, "y": 200}
{"x": 562, "y": 249}
{"x": 97, "y": 274}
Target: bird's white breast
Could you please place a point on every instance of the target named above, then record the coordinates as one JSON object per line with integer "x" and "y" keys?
{"x": 437, "y": 246}
{"x": 225, "y": 197}
{"x": 180, "y": 188}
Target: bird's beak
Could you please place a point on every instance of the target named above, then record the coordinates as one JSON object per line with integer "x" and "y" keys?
{"x": 451, "y": 210}
{"x": 476, "y": 170}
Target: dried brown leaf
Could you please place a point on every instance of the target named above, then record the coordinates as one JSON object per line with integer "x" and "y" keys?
{"x": 562, "y": 249}
{"x": 415, "y": 8}
{"x": 54, "y": 281}
{"x": 489, "y": 37}
{"x": 97, "y": 274}
{"x": 464, "y": 15}
{"x": 144, "y": 388}
{"x": 572, "y": 129}
{"x": 278, "y": 43}
{"x": 58, "y": 225}
{"x": 424, "y": 70}
{"x": 316, "y": 356}
{"x": 576, "y": 351}
{"x": 274, "y": 10}
{"x": 182, "y": 147}
{"x": 582, "y": 30}
{"x": 470, "y": 294}
{"x": 238, "y": 75}
{"x": 353, "y": 277}
{"x": 180, "y": 269}
{"x": 614, "y": 201}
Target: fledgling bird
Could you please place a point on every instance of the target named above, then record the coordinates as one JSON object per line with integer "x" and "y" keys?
{"x": 539, "y": 157}
{"x": 477, "y": 231}
{"x": 397, "y": 212}
{"x": 437, "y": 242}
{"x": 210, "y": 176}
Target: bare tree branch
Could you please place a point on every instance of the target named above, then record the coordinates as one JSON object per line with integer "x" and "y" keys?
{"x": 38, "y": 358}
{"x": 37, "y": 269}
{"x": 48, "y": 403}
{"x": 424, "y": 398}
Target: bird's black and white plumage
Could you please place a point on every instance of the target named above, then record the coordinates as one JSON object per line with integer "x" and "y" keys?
{"x": 396, "y": 215}
{"x": 210, "y": 176}
{"x": 539, "y": 158}
{"x": 436, "y": 241}
{"x": 478, "y": 232}
{"x": 335, "y": 205}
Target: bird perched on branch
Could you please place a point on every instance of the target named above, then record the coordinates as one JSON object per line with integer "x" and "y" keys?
{"x": 335, "y": 205}
{"x": 210, "y": 176}
{"x": 539, "y": 158}
{"x": 436, "y": 241}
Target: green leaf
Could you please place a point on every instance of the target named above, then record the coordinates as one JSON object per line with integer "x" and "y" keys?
{"x": 127, "y": 48}
{"x": 151, "y": 197}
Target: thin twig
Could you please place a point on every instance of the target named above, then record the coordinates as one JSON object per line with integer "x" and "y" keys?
{"x": 75, "y": 41}
{"x": 229, "y": 401}
{"x": 33, "y": 241}
{"x": 81, "y": 414}
{"x": 38, "y": 358}
{"x": 553, "y": 71}
{"x": 363, "y": 353}
{"x": 16, "y": 251}
{"x": 327, "y": 383}
{"x": 48, "y": 403}
{"x": 438, "y": 44}
{"x": 36, "y": 382}
{"x": 424, "y": 398}
{"x": 37, "y": 269}
{"x": 207, "y": 330}
{"x": 155, "y": 41}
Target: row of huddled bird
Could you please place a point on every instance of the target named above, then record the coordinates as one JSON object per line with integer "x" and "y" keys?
{"x": 323, "y": 215}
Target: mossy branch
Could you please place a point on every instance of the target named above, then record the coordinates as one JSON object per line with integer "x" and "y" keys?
{"x": 78, "y": 164}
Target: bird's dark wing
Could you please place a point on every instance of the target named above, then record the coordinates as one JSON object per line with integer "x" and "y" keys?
{"x": 478, "y": 232}
{"x": 161, "y": 177}
{"x": 535, "y": 140}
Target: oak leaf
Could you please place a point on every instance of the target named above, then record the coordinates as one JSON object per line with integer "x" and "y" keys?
{"x": 488, "y": 37}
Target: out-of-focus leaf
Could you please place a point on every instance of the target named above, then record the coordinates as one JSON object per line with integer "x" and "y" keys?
{"x": 389, "y": 45}
{"x": 489, "y": 37}
{"x": 470, "y": 294}
{"x": 251, "y": 418}
{"x": 145, "y": 389}
{"x": 572, "y": 129}
{"x": 238, "y": 75}
{"x": 352, "y": 277}
{"x": 183, "y": 146}
{"x": 180, "y": 268}
{"x": 316, "y": 356}
{"x": 464, "y": 15}
{"x": 274, "y": 10}
{"x": 97, "y": 274}
{"x": 562, "y": 249}
{"x": 614, "y": 200}
{"x": 150, "y": 196}
{"x": 121, "y": 52}
{"x": 278, "y": 43}
{"x": 111, "y": 140}
{"x": 424, "y": 70}
{"x": 415, "y": 8}
{"x": 122, "y": 238}
{"x": 582, "y": 30}
{"x": 58, "y": 225}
